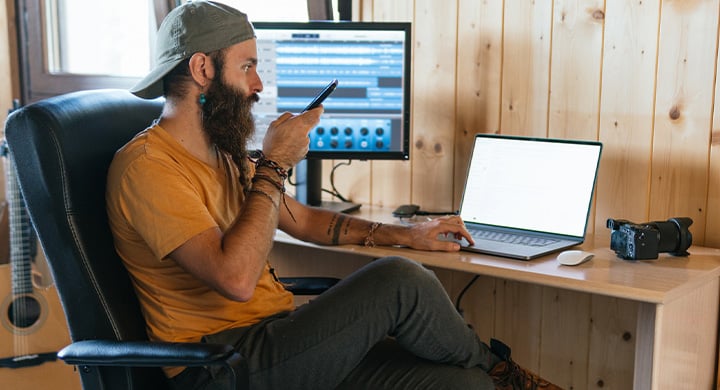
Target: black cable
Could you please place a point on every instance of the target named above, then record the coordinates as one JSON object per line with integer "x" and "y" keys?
{"x": 464, "y": 290}
{"x": 290, "y": 175}
{"x": 334, "y": 191}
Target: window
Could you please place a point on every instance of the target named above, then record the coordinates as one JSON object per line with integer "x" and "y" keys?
{"x": 65, "y": 45}
{"x": 91, "y": 37}
{"x": 278, "y": 10}
{"x": 70, "y": 45}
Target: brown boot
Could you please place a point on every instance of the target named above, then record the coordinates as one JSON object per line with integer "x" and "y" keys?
{"x": 508, "y": 375}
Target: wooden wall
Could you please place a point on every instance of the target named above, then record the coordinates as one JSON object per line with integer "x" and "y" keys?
{"x": 640, "y": 76}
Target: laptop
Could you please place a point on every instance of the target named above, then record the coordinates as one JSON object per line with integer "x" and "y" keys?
{"x": 527, "y": 197}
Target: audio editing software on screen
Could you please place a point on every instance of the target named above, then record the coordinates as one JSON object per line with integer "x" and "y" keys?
{"x": 364, "y": 113}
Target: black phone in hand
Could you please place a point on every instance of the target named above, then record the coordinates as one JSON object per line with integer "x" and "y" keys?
{"x": 322, "y": 95}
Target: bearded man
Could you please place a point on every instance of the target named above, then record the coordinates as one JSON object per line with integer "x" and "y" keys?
{"x": 194, "y": 218}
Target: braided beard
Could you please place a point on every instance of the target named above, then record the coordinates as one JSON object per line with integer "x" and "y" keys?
{"x": 227, "y": 119}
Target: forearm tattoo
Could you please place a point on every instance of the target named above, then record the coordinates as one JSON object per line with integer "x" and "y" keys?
{"x": 336, "y": 225}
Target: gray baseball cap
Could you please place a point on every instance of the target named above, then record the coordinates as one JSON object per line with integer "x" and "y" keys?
{"x": 197, "y": 26}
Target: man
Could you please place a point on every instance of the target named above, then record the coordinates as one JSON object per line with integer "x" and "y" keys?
{"x": 194, "y": 218}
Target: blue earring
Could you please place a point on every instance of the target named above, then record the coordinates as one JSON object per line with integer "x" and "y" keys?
{"x": 202, "y": 99}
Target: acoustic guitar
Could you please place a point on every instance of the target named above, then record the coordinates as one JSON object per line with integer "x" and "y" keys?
{"x": 32, "y": 323}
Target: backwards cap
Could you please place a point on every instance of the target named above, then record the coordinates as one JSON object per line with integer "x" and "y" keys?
{"x": 198, "y": 26}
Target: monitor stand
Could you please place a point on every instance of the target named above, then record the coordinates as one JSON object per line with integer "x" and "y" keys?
{"x": 309, "y": 188}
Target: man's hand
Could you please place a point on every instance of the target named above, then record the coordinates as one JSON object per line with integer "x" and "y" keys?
{"x": 425, "y": 235}
{"x": 286, "y": 141}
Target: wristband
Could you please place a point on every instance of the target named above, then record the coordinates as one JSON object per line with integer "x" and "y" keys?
{"x": 257, "y": 157}
{"x": 261, "y": 192}
{"x": 370, "y": 239}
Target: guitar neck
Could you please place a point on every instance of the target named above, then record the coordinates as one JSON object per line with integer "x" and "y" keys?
{"x": 21, "y": 233}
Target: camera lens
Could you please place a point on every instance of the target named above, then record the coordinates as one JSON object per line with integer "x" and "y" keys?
{"x": 674, "y": 236}
{"x": 683, "y": 225}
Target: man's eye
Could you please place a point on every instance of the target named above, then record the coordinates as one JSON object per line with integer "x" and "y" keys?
{"x": 246, "y": 67}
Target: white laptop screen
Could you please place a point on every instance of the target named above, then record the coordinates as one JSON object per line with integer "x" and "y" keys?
{"x": 531, "y": 184}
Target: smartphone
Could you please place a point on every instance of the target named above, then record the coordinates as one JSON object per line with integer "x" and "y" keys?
{"x": 322, "y": 95}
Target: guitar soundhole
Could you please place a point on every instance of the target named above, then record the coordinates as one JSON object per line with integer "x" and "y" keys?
{"x": 24, "y": 312}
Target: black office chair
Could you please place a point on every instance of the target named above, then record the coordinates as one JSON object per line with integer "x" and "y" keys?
{"x": 62, "y": 148}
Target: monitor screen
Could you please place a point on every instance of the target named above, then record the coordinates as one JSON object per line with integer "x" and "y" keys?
{"x": 367, "y": 116}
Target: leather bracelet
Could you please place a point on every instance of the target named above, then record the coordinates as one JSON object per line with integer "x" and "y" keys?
{"x": 280, "y": 176}
{"x": 261, "y": 192}
{"x": 370, "y": 239}
{"x": 280, "y": 186}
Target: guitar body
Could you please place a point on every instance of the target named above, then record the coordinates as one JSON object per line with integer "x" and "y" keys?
{"x": 41, "y": 331}
{"x": 32, "y": 322}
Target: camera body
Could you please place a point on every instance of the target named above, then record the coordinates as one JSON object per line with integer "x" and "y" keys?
{"x": 644, "y": 241}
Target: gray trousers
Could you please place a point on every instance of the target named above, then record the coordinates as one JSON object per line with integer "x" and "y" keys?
{"x": 390, "y": 325}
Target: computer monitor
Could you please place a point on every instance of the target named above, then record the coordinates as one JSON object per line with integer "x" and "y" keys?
{"x": 367, "y": 117}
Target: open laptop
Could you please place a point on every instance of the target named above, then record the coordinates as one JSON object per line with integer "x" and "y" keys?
{"x": 527, "y": 197}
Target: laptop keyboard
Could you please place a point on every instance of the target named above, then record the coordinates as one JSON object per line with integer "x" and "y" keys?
{"x": 511, "y": 238}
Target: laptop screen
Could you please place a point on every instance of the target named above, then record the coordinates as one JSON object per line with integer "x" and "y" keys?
{"x": 543, "y": 185}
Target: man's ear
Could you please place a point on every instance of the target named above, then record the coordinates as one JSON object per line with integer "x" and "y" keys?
{"x": 201, "y": 69}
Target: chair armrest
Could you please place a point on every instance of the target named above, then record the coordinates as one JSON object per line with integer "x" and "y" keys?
{"x": 308, "y": 285}
{"x": 157, "y": 354}
{"x": 146, "y": 353}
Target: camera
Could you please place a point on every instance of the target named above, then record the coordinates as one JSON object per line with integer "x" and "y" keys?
{"x": 643, "y": 241}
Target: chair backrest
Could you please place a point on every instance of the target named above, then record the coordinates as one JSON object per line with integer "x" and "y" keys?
{"x": 62, "y": 148}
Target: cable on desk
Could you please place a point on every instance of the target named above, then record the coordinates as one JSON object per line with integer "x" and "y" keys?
{"x": 334, "y": 192}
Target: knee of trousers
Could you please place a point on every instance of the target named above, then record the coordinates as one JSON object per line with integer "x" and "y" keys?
{"x": 398, "y": 269}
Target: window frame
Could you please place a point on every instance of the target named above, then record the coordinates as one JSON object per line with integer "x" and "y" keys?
{"x": 37, "y": 83}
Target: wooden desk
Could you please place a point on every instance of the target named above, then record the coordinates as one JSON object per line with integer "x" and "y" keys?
{"x": 608, "y": 323}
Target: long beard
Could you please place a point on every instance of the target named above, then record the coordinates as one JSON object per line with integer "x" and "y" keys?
{"x": 228, "y": 121}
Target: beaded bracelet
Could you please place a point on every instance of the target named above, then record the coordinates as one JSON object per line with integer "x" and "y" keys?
{"x": 370, "y": 239}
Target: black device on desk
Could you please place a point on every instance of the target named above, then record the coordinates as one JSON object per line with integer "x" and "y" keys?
{"x": 405, "y": 211}
{"x": 411, "y": 210}
{"x": 644, "y": 241}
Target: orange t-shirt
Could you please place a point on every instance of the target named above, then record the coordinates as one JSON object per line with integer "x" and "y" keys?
{"x": 158, "y": 197}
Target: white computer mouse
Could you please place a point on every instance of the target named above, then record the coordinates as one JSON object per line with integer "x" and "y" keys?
{"x": 574, "y": 257}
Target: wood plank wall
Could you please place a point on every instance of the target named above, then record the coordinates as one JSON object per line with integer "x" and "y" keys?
{"x": 640, "y": 76}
